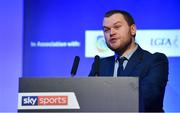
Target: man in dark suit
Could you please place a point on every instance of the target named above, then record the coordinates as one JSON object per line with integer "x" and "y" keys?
{"x": 131, "y": 60}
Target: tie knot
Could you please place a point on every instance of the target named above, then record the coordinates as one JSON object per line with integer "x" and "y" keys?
{"x": 121, "y": 67}
{"x": 121, "y": 60}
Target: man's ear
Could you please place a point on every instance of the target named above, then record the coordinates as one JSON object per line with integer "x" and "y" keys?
{"x": 133, "y": 29}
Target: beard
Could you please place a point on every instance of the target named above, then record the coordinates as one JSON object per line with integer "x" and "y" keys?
{"x": 121, "y": 48}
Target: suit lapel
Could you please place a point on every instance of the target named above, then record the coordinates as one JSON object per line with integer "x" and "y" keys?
{"x": 109, "y": 66}
{"x": 134, "y": 60}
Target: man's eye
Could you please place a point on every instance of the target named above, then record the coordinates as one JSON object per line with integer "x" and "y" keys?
{"x": 117, "y": 27}
{"x": 106, "y": 30}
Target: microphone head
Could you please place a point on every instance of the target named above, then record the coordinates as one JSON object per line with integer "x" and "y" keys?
{"x": 96, "y": 65}
{"x": 97, "y": 58}
{"x": 75, "y": 65}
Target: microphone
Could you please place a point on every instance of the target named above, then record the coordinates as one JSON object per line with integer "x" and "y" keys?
{"x": 75, "y": 66}
{"x": 96, "y": 65}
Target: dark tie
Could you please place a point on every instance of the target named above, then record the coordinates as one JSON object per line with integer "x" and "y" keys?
{"x": 120, "y": 68}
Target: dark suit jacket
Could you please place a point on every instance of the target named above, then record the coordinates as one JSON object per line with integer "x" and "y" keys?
{"x": 152, "y": 70}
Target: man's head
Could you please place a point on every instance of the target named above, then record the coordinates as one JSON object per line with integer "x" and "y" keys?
{"x": 119, "y": 30}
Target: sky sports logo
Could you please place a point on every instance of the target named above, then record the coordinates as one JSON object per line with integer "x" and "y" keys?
{"x": 44, "y": 100}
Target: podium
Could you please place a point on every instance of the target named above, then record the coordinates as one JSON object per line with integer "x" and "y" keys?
{"x": 92, "y": 94}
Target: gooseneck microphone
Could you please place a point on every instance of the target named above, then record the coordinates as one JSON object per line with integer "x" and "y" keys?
{"x": 96, "y": 65}
{"x": 75, "y": 66}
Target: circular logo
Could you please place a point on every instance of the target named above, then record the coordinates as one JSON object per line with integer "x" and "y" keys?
{"x": 101, "y": 44}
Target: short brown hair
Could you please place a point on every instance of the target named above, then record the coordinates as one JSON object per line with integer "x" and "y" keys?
{"x": 129, "y": 19}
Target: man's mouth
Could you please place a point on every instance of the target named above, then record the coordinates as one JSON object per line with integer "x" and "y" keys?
{"x": 113, "y": 40}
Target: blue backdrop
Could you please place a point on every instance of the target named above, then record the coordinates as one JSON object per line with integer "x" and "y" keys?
{"x": 11, "y": 22}
{"x": 54, "y": 32}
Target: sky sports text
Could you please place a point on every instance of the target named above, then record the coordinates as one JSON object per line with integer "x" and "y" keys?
{"x": 44, "y": 100}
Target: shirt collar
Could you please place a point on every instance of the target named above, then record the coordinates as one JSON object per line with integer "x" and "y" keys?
{"x": 128, "y": 56}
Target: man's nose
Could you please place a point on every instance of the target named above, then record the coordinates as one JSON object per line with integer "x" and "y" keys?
{"x": 112, "y": 31}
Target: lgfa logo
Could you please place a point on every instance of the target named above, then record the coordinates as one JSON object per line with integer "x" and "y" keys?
{"x": 44, "y": 100}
